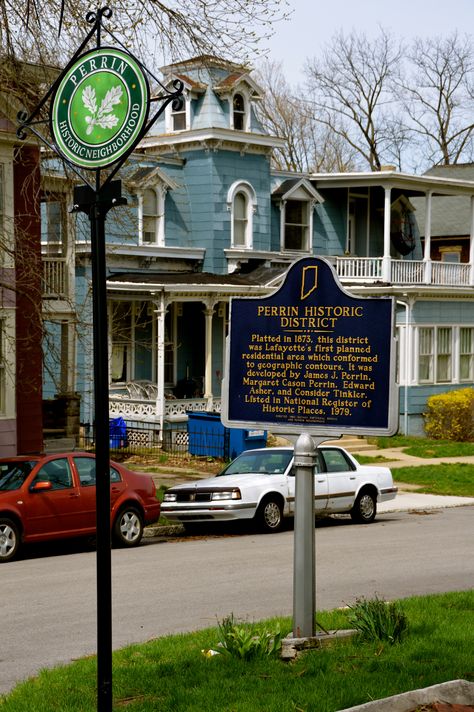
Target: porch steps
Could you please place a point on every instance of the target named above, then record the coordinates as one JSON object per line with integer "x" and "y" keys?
{"x": 355, "y": 444}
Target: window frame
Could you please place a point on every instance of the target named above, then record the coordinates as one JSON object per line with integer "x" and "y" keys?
{"x": 436, "y": 353}
{"x": 241, "y": 114}
{"x": 3, "y": 369}
{"x": 158, "y": 216}
{"x": 236, "y": 189}
{"x": 444, "y": 358}
{"x": 428, "y": 354}
{"x": 2, "y": 196}
{"x": 185, "y": 111}
{"x": 469, "y": 355}
{"x": 307, "y": 226}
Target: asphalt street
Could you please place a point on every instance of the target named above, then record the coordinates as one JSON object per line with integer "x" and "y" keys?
{"x": 171, "y": 586}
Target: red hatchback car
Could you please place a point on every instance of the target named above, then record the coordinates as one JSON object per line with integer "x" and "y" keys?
{"x": 45, "y": 497}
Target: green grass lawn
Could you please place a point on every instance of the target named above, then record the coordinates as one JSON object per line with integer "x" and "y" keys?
{"x": 172, "y": 675}
{"x": 423, "y": 447}
{"x": 455, "y": 479}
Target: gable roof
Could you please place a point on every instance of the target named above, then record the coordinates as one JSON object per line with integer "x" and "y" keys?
{"x": 450, "y": 215}
{"x": 291, "y": 187}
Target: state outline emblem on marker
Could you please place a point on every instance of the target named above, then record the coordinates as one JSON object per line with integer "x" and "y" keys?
{"x": 309, "y": 281}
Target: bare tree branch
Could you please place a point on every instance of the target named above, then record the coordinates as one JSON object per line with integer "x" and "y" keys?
{"x": 309, "y": 146}
{"x": 438, "y": 96}
{"x": 158, "y": 31}
{"x": 350, "y": 91}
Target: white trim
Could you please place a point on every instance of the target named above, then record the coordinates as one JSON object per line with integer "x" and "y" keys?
{"x": 246, "y": 113}
{"x": 159, "y": 217}
{"x": 242, "y": 186}
{"x": 309, "y": 205}
{"x": 169, "y": 115}
{"x": 8, "y": 353}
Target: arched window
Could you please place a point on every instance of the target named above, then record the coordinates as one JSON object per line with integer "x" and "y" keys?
{"x": 240, "y": 218}
{"x": 238, "y": 106}
{"x": 241, "y": 201}
{"x": 178, "y": 114}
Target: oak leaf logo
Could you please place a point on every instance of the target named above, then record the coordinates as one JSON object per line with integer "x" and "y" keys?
{"x": 103, "y": 115}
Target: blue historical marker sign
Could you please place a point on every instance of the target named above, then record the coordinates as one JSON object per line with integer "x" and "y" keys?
{"x": 311, "y": 357}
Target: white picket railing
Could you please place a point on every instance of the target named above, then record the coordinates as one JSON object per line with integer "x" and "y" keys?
{"x": 55, "y": 283}
{"x": 362, "y": 268}
{"x": 450, "y": 274}
{"x": 369, "y": 269}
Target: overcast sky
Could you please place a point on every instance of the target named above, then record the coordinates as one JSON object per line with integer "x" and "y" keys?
{"x": 314, "y": 22}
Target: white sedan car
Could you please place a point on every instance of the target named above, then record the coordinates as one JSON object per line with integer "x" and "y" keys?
{"x": 260, "y": 484}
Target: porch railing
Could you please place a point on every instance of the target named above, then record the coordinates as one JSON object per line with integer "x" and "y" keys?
{"x": 359, "y": 267}
{"x": 449, "y": 273}
{"x": 368, "y": 269}
{"x": 408, "y": 271}
{"x": 142, "y": 410}
{"x": 55, "y": 283}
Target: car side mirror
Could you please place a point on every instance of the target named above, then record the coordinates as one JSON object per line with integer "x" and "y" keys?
{"x": 41, "y": 487}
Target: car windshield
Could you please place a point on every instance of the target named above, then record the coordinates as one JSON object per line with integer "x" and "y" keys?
{"x": 13, "y": 474}
{"x": 267, "y": 463}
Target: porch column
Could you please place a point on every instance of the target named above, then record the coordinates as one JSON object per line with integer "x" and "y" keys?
{"x": 208, "y": 314}
{"x": 386, "y": 259}
{"x": 427, "y": 253}
{"x": 471, "y": 245}
{"x": 160, "y": 310}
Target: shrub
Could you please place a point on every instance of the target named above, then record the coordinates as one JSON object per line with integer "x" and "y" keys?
{"x": 246, "y": 642}
{"x": 375, "y": 619}
{"x": 450, "y": 415}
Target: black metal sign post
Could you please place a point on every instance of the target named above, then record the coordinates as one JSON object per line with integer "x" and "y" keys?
{"x": 96, "y": 204}
{"x": 93, "y": 116}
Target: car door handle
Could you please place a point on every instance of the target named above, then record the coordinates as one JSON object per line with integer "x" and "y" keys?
{"x": 73, "y": 495}
{"x": 323, "y": 480}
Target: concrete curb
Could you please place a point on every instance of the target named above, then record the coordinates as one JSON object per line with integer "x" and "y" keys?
{"x": 459, "y": 692}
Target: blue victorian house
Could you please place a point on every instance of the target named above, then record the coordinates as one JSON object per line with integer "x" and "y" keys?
{"x": 209, "y": 219}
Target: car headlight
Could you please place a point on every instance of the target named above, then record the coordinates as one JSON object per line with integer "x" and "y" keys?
{"x": 227, "y": 494}
{"x": 170, "y": 497}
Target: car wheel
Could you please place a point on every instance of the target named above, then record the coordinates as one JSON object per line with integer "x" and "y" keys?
{"x": 365, "y": 508}
{"x": 270, "y": 515}
{"x": 9, "y": 540}
{"x": 128, "y": 527}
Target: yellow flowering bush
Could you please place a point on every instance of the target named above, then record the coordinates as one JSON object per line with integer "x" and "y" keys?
{"x": 450, "y": 415}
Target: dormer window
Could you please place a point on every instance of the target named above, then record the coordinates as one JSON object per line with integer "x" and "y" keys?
{"x": 151, "y": 209}
{"x": 296, "y": 199}
{"x": 296, "y": 226}
{"x": 178, "y": 118}
{"x": 238, "y": 106}
{"x": 178, "y": 114}
{"x": 241, "y": 201}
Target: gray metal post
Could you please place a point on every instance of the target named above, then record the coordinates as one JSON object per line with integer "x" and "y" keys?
{"x": 304, "y": 577}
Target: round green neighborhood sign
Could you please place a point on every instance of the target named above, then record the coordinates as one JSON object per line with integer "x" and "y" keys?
{"x": 99, "y": 108}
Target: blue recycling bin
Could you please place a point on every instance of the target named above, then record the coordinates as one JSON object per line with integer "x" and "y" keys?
{"x": 207, "y": 436}
{"x": 241, "y": 439}
{"x": 118, "y": 432}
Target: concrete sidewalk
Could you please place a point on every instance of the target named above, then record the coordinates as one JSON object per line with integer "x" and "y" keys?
{"x": 396, "y": 458}
{"x": 412, "y": 501}
{"x": 407, "y": 497}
